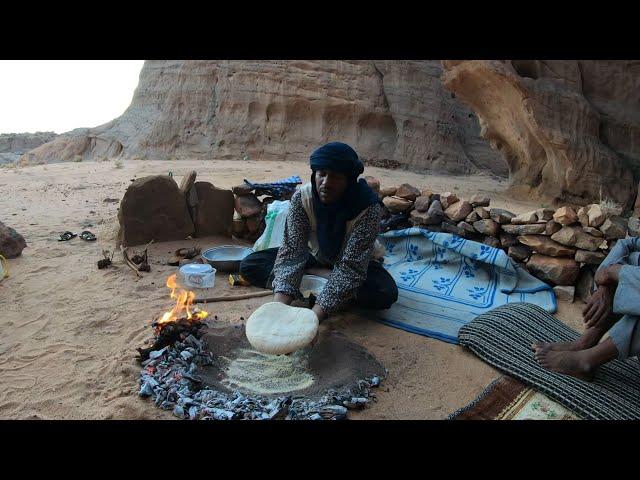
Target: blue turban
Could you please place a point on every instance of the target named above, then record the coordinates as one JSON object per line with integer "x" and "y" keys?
{"x": 331, "y": 220}
{"x": 338, "y": 157}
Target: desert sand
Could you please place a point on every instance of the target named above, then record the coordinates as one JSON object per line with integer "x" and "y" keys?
{"x": 68, "y": 331}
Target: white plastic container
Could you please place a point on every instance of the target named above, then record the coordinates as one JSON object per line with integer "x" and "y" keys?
{"x": 197, "y": 275}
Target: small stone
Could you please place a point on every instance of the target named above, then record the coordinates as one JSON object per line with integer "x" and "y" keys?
{"x": 487, "y": 227}
{"x": 11, "y": 242}
{"x": 507, "y": 240}
{"x": 458, "y": 211}
{"x": 422, "y": 203}
{"x": 634, "y": 226}
{"x": 614, "y": 227}
{"x": 396, "y": 204}
{"x": 408, "y": 192}
{"x": 546, "y": 246}
{"x": 480, "y": 200}
{"x": 592, "y": 258}
{"x": 583, "y": 218}
{"x": 558, "y": 271}
{"x": 519, "y": 252}
{"x": 565, "y": 216}
{"x": 545, "y": 214}
{"x": 482, "y": 212}
{"x": 565, "y": 293}
{"x": 466, "y": 227}
{"x": 492, "y": 242}
{"x": 447, "y": 199}
{"x": 426, "y": 193}
{"x": 388, "y": 191}
{"x": 452, "y": 228}
{"x": 551, "y": 228}
{"x": 435, "y": 210}
{"x": 500, "y": 215}
{"x": 419, "y": 218}
{"x": 524, "y": 218}
{"x": 530, "y": 229}
{"x": 596, "y": 215}
{"x": 472, "y": 217}
{"x": 373, "y": 183}
{"x": 605, "y": 245}
{"x": 592, "y": 231}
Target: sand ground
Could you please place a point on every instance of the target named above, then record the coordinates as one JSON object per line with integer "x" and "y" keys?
{"x": 68, "y": 331}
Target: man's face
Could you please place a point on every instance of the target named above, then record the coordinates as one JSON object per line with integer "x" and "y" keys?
{"x": 331, "y": 185}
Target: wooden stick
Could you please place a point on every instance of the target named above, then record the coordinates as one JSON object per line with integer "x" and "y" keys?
{"x": 231, "y": 298}
{"x": 129, "y": 262}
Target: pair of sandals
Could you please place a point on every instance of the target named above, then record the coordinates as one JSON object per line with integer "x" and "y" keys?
{"x": 85, "y": 235}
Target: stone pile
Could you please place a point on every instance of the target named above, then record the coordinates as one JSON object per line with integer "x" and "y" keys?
{"x": 562, "y": 247}
{"x": 169, "y": 378}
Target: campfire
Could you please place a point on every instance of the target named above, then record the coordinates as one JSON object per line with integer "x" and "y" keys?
{"x": 182, "y": 320}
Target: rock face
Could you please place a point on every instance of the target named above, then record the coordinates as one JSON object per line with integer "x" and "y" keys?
{"x": 153, "y": 208}
{"x": 214, "y": 212}
{"x": 391, "y": 112}
{"x": 572, "y": 126}
{"x": 14, "y": 145}
{"x": 11, "y": 242}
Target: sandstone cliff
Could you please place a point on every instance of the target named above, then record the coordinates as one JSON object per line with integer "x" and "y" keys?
{"x": 392, "y": 112}
{"x": 14, "y": 145}
{"x": 568, "y": 129}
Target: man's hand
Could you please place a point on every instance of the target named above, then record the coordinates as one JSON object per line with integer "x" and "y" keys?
{"x": 608, "y": 275}
{"x": 598, "y": 307}
{"x": 283, "y": 298}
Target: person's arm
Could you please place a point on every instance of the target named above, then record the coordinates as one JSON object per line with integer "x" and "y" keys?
{"x": 617, "y": 275}
{"x": 292, "y": 254}
{"x": 350, "y": 271}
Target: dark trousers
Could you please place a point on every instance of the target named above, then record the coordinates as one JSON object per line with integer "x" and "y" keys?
{"x": 379, "y": 290}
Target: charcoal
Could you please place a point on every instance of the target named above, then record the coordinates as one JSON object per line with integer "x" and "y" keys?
{"x": 334, "y": 409}
{"x": 316, "y": 416}
{"x": 375, "y": 381}
{"x": 178, "y": 411}
{"x": 193, "y": 413}
{"x": 157, "y": 353}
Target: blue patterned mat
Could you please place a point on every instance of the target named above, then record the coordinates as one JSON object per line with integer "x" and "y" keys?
{"x": 445, "y": 281}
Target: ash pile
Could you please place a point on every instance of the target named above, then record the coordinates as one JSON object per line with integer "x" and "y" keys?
{"x": 175, "y": 377}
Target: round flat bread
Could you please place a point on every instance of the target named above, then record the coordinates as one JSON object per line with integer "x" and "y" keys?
{"x": 276, "y": 328}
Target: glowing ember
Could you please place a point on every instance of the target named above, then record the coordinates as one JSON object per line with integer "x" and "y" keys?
{"x": 183, "y": 309}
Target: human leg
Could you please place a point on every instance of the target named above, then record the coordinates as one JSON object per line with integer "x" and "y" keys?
{"x": 257, "y": 267}
{"x": 625, "y": 334}
{"x": 379, "y": 290}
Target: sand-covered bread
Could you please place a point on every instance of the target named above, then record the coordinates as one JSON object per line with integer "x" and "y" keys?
{"x": 276, "y": 328}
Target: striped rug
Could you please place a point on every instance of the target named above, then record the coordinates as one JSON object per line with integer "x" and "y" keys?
{"x": 503, "y": 338}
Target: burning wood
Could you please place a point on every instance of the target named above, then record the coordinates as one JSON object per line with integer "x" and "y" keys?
{"x": 181, "y": 319}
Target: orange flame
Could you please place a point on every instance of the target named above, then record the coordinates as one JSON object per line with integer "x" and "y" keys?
{"x": 183, "y": 307}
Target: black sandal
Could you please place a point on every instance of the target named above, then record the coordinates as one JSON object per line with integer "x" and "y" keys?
{"x": 66, "y": 236}
{"x": 88, "y": 236}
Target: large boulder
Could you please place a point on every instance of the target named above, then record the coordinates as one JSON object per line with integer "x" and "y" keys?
{"x": 11, "y": 242}
{"x": 153, "y": 208}
{"x": 558, "y": 271}
{"x": 215, "y": 210}
{"x": 487, "y": 227}
{"x": 614, "y": 227}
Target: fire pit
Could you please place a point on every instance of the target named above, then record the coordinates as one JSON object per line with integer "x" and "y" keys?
{"x": 201, "y": 370}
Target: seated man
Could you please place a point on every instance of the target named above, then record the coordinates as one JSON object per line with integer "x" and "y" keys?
{"x": 618, "y": 292}
{"x": 332, "y": 222}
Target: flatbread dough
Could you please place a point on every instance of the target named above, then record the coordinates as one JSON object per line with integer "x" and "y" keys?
{"x": 276, "y": 328}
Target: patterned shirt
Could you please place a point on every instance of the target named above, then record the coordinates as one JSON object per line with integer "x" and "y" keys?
{"x": 349, "y": 271}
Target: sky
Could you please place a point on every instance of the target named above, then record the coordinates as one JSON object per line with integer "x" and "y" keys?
{"x": 60, "y": 95}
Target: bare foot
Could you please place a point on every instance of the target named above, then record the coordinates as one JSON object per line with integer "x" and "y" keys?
{"x": 559, "y": 346}
{"x": 565, "y": 362}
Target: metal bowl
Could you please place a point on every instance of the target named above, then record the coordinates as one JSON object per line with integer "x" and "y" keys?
{"x": 312, "y": 284}
{"x": 226, "y": 258}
